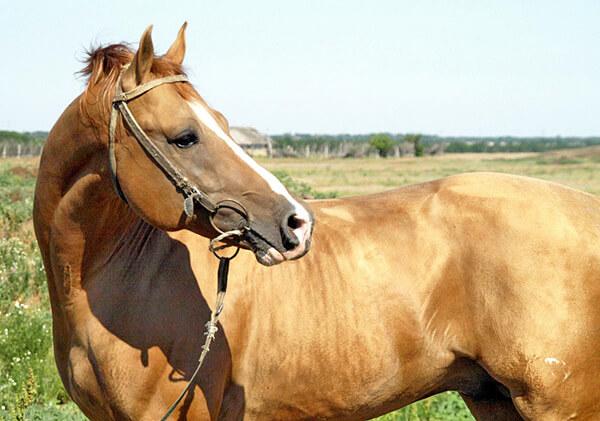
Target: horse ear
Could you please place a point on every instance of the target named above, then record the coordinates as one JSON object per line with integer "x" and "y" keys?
{"x": 222, "y": 120}
{"x": 142, "y": 61}
{"x": 177, "y": 50}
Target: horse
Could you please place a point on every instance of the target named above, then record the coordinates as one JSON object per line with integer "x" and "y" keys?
{"x": 482, "y": 283}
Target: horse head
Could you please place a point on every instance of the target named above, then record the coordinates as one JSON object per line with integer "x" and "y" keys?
{"x": 192, "y": 159}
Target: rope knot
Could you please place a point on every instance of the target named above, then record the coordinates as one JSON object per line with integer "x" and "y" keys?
{"x": 211, "y": 329}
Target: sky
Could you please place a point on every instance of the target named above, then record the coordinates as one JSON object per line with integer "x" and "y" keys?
{"x": 474, "y": 68}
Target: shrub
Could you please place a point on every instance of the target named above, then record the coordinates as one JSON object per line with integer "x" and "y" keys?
{"x": 301, "y": 189}
{"x": 382, "y": 143}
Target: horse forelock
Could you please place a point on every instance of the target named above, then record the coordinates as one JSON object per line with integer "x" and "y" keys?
{"x": 102, "y": 67}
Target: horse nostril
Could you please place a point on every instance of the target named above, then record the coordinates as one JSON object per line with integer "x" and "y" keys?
{"x": 290, "y": 239}
{"x": 294, "y": 222}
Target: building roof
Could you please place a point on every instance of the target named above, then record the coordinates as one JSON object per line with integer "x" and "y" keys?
{"x": 246, "y": 136}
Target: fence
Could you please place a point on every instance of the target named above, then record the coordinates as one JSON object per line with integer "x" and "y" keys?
{"x": 339, "y": 150}
{"x": 8, "y": 150}
{"x": 325, "y": 150}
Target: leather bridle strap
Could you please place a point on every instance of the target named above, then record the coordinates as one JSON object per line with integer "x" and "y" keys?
{"x": 119, "y": 104}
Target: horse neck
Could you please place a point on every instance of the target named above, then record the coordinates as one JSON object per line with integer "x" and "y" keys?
{"x": 76, "y": 207}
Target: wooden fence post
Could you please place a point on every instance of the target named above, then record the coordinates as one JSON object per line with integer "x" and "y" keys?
{"x": 344, "y": 148}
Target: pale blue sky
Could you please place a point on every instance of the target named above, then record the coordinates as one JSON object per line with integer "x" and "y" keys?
{"x": 339, "y": 66}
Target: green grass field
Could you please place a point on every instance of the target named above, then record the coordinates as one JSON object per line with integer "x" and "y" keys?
{"x": 29, "y": 385}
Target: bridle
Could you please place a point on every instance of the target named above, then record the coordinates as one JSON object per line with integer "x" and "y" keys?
{"x": 192, "y": 194}
{"x": 190, "y": 191}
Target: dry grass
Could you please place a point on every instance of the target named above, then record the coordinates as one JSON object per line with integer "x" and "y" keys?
{"x": 576, "y": 168}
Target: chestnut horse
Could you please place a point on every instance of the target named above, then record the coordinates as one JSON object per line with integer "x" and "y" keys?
{"x": 481, "y": 283}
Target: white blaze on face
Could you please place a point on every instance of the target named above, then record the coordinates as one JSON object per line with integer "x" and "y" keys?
{"x": 209, "y": 121}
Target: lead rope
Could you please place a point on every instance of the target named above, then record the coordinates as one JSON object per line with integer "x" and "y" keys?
{"x": 211, "y": 325}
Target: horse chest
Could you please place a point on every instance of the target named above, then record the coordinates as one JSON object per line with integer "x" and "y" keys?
{"x": 111, "y": 380}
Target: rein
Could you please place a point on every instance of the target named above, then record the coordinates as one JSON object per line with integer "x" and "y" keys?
{"x": 191, "y": 193}
{"x": 211, "y": 325}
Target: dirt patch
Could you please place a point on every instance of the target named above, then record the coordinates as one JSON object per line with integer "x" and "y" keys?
{"x": 23, "y": 172}
{"x": 15, "y": 196}
{"x": 587, "y": 152}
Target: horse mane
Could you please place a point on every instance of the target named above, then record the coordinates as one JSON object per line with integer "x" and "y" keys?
{"x": 102, "y": 67}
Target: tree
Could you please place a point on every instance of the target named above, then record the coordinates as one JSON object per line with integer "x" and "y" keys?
{"x": 382, "y": 143}
{"x": 416, "y": 140}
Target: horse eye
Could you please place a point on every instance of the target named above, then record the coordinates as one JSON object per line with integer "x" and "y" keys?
{"x": 185, "y": 140}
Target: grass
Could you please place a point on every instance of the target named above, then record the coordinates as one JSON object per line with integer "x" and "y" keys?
{"x": 29, "y": 385}
{"x": 446, "y": 406}
{"x": 362, "y": 176}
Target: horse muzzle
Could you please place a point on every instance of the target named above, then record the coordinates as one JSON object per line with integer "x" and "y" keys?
{"x": 290, "y": 242}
